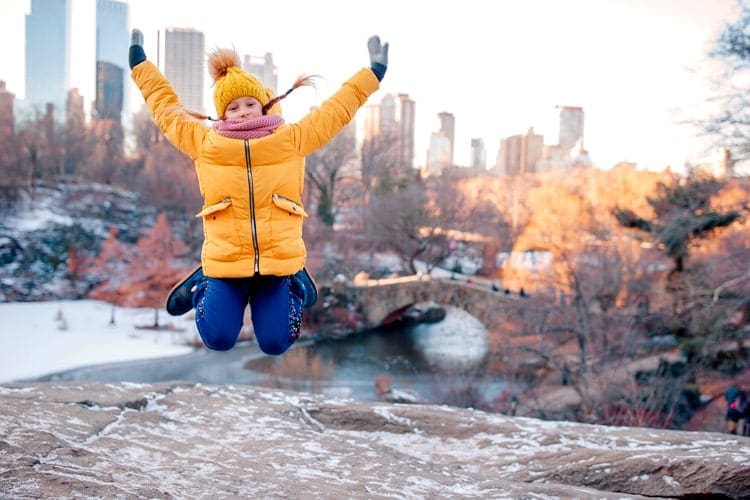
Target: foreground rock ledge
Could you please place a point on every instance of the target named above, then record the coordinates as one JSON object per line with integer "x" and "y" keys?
{"x": 189, "y": 440}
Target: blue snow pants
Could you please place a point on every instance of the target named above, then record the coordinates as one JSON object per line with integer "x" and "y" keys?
{"x": 275, "y": 308}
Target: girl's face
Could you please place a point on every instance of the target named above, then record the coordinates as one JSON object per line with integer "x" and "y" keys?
{"x": 243, "y": 108}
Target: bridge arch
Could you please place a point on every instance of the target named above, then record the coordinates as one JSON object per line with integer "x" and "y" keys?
{"x": 377, "y": 299}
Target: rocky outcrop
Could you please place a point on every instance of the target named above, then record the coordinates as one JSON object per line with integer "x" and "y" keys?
{"x": 44, "y": 224}
{"x": 191, "y": 440}
{"x": 47, "y": 230}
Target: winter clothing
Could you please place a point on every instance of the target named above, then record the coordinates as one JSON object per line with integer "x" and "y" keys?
{"x": 304, "y": 285}
{"x": 251, "y": 175}
{"x": 254, "y": 128}
{"x": 136, "y": 54}
{"x": 180, "y": 297}
{"x": 738, "y": 408}
{"x": 378, "y": 56}
{"x": 253, "y": 211}
{"x": 231, "y": 81}
{"x": 276, "y": 312}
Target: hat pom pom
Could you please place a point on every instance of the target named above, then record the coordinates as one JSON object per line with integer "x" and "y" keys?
{"x": 220, "y": 61}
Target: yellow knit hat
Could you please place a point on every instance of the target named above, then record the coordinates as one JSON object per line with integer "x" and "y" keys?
{"x": 231, "y": 81}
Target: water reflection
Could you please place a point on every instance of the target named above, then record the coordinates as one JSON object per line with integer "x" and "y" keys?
{"x": 457, "y": 342}
{"x": 427, "y": 360}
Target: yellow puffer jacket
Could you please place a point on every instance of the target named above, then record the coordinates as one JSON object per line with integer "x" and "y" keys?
{"x": 252, "y": 206}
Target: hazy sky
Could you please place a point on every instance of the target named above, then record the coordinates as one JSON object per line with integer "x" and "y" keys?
{"x": 500, "y": 67}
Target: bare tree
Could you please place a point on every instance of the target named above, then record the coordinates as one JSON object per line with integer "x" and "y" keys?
{"x": 325, "y": 171}
{"x": 155, "y": 267}
{"x": 728, "y": 121}
{"x": 401, "y": 220}
{"x": 380, "y": 171}
{"x": 587, "y": 323}
{"x": 145, "y": 130}
{"x": 685, "y": 216}
{"x": 481, "y": 210}
{"x": 139, "y": 276}
{"x": 168, "y": 179}
{"x": 109, "y": 270}
{"x": 107, "y": 155}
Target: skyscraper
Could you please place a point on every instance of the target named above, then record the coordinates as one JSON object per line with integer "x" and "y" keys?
{"x": 519, "y": 154}
{"x": 112, "y": 36}
{"x": 438, "y": 154}
{"x": 48, "y": 55}
{"x": 371, "y": 113}
{"x": 397, "y": 115}
{"x": 571, "y": 126}
{"x": 478, "y": 154}
{"x": 109, "y": 91}
{"x": 388, "y": 145}
{"x": 184, "y": 56}
{"x": 74, "y": 109}
{"x": 7, "y": 129}
{"x": 264, "y": 68}
{"x": 448, "y": 129}
{"x": 112, "y": 42}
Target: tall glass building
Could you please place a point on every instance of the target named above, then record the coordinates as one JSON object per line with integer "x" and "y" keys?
{"x": 112, "y": 42}
{"x": 48, "y": 54}
{"x": 109, "y": 91}
{"x": 184, "y": 65}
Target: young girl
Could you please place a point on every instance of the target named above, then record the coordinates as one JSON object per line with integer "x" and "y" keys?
{"x": 250, "y": 169}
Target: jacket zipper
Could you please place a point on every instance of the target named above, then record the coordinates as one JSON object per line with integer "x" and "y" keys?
{"x": 253, "y": 228}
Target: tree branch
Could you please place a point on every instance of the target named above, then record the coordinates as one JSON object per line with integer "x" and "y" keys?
{"x": 726, "y": 284}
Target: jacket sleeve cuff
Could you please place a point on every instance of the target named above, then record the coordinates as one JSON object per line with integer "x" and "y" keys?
{"x": 379, "y": 70}
{"x": 136, "y": 55}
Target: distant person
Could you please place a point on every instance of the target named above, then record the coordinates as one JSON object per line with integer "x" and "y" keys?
{"x": 251, "y": 167}
{"x": 737, "y": 409}
{"x": 522, "y": 293}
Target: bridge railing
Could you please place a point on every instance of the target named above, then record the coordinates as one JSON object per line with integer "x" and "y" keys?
{"x": 474, "y": 281}
{"x": 391, "y": 281}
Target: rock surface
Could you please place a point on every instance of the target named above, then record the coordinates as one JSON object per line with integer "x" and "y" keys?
{"x": 190, "y": 440}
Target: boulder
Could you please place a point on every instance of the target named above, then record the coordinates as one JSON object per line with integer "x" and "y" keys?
{"x": 190, "y": 440}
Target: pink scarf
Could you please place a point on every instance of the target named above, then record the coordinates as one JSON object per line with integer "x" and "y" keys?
{"x": 248, "y": 129}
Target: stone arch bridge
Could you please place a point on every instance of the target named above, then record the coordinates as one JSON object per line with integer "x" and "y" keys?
{"x": 377, "y": 300}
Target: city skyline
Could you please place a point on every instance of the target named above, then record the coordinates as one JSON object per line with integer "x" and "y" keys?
{"x": 626, "y": 63}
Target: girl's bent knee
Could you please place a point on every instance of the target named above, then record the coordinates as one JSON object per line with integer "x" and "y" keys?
{"x": 217, "y": 341}
{"x": 274, "y": 348}
{"x": 220, "y": 345}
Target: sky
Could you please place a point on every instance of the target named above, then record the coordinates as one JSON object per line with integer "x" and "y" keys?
{"x": 637, "y": 67}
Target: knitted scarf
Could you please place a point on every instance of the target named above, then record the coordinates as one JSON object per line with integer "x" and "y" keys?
{"x": 248, "y": 129}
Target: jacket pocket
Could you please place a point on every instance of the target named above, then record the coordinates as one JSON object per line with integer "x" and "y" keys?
{"x": 220, "y": 232}
{"x": 288, "y": 205}
{"x": 215, "y": 207}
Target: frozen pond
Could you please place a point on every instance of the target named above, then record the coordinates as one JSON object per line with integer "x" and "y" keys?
{"x": 427, "y": 360}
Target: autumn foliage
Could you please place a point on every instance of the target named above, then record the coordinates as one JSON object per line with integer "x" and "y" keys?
{"x": 140, "y": 275}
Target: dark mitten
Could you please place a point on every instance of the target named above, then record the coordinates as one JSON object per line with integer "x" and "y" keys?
{"x": 136, "y": 54}
{"x": 378, "y": 56}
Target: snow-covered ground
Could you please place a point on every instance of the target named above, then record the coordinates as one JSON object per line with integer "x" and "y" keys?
{"x": 37, "y": 338}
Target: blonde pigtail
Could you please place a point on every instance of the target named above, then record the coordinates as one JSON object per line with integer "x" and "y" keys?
{"x": 301, "y": 81}
{"x": 194, "y": 114}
